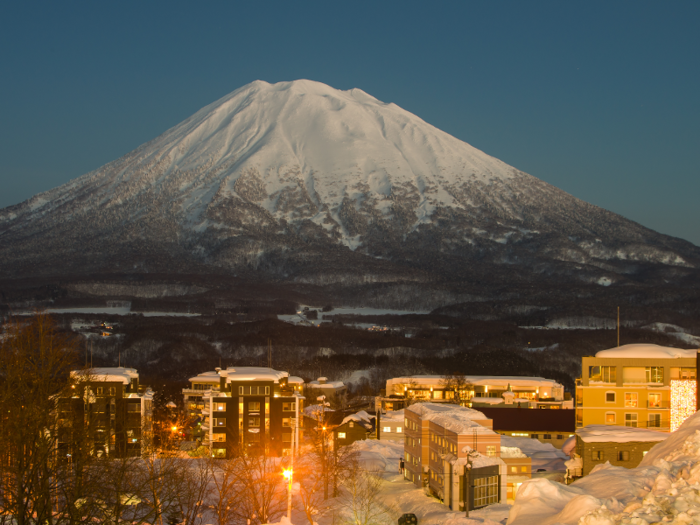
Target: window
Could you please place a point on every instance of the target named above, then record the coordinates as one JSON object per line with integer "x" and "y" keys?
{"x": 134, "y": 407}
{"x": 253, "y": 421}
{"x": 623, "y": 455}
{"x": 609, "y": 397}
{"x": 491, "y": 450}
{"x": 386, "y": 429}
{"x": 605, "y": 374}
{"x": 535, "y": 436}
{"x": 219, "y": 421}
{"x": 352, "y": 424}
{"x": 655, "y": 374}
{"x": 287, "y": 421}
{"x": 560, "y": 436}
{"x": 289, "y": 407}
{"x": 399, "y": 430}
{"x": 218, "y": 453}
{"x": 254, "y": 390}
{"x": 513, "y": 469}
{"x": 654, "y": 401}
{"x": 654, "y": 421}
{"x": 485, "y": 491}
{"x": 683, "y": 373}
{"x": 100, "y": 390}
{"x": 597, "y": 455}
{"x": 523, "y": 469}
{"x": 219, "y": 437}
{"x": 220, "y": 406}
{"x": 631, "y": 399}
{"x": 253, "y": 406}
{"x": 254, "y": 437}
{"x": 547, "y": 436}
{"x": 630, "y": 420}
{"x": 112, "y": 390}
{"x": 610, "y": 418}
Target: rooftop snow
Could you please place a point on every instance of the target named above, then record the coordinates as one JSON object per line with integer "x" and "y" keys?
{"x": 206, "y": 377}
{"x": 647, "y": 351}
{"x": 425, "y": 409}
{"x": 252, "y": 373}
{"x": 618, "y": 434}
{"x": 504, "y": 381}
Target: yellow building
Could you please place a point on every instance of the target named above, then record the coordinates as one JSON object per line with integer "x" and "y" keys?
{"x": 637, "y": 385}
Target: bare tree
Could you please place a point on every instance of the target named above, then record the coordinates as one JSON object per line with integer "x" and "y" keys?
{"x": 225, "y": 491}
{"x": 261, "y": 486}
{"x": 459, "y": 385}
{"x": 360, "y": 497}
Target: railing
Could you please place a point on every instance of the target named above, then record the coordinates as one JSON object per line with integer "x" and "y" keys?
{"x": 663, "y": 424}
{"x": 659, "y": 404}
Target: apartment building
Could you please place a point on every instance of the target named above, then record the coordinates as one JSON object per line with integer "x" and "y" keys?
{"x": 637, "y": 385}
{"x": 441, "y": 440}
{"x": 475, "y": 391}
{"x": 253, "y": 407}
{"x": 110, "y": 410}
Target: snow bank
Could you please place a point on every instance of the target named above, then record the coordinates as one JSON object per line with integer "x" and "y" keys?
{"x": 664, "y": 488}
{"x": 618, "y": 434}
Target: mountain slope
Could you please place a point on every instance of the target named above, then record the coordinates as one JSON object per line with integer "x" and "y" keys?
{"x": 298, "y": 181}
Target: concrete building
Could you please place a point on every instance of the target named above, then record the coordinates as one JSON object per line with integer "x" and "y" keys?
{"x": 335, "y": 391}
{"x": 621, "y": 446}
{"x": 546, "y": 426}
{"x": 445, "y": 442}
{"x": 110, "y": 409}
{"x": 637, "y": 385}
{"x": 252, "y": 407}
{"x": 476, "y": 391}
{"x": 392, "y": 426}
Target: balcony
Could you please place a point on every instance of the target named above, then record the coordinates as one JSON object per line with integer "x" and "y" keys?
{"x": 660, "y": 405}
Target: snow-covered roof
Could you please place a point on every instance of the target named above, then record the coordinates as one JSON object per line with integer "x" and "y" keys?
{"x": 424, "y": 409}
{"x": 395, "y": 415}
{"x": 108, "y": 374}
{"x": 206, "y": 377}
{"x": 618, "y": 434}
{"x": 252, "y": 373}
{"x": 360, "y": 417}
{"x": 329, "y": 384}
{"x": 295, "y": 380}
{"x": 314, "y": 411}
{"x": 478, "y": 460}
{"x": 512, "y": 452}
{"x": 647, "y": 351}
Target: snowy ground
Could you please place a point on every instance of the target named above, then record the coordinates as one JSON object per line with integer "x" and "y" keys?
{"x": 400, "y": 496}
{"x": 665, "y": 488}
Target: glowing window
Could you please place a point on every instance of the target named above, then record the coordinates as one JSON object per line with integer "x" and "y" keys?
{"x": 631, "y": 399}
{"x": 341, "y": 435}
{"x": 610, "y": 418}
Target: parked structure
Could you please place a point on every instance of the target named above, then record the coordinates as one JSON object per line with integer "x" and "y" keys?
{"x": 109, "y": 408}
{"x": 637, "y": 385}
{"x": 252, "y": 407}
{"x": 473, "y": 391}
{"x": 546, "y": 426}
{"x": 621, "y": 446}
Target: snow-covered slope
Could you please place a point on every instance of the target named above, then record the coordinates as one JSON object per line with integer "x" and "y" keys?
{"x": 276, "y": 177}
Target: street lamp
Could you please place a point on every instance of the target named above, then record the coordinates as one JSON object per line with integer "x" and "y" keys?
{"x": 288, "y": 473}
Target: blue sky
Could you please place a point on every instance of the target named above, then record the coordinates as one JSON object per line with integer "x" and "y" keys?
{"x": 600, "y": 99}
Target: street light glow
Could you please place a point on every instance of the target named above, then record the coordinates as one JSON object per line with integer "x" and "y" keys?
{"x": 287, "y": 473}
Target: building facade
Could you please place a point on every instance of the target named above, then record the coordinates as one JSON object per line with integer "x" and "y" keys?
{"x": 253, "y": 408}
{"x": 111, "y": 412}
{"x": 475, "y": 391}
{"x": 637, "y": 385}
{"x": 546, "y": 426}
{"x": 620, "y": 446}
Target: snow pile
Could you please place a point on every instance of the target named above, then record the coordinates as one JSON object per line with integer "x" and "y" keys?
{"x": 664, "y": 488}
{"x": 647, "y": 351}
{"x": 512, "y": 452}
{"x": 394, "y": 415}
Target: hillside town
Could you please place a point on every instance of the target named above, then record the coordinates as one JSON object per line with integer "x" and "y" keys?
{"x": 427, "y": 446}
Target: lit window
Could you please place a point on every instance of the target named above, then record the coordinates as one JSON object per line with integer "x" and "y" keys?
{"x": 341, "y": 435}
{"x": 491, "y": 450}
{"x": 631, "y": 399}
{"x": 610, "y": 418}
{"x": 523, "y": 469}
{"x": 387, "y": 429}
{"x": 399, "y": 430}
{"x": 254, "y": 406}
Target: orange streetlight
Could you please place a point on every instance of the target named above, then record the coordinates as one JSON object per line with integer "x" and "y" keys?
{"x": 288, "y": 473}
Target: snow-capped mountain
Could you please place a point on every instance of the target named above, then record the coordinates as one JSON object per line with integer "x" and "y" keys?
{"x": 299, "y": 181}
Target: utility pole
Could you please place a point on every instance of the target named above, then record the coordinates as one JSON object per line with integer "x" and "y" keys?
{"x": 618, "y": 326}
